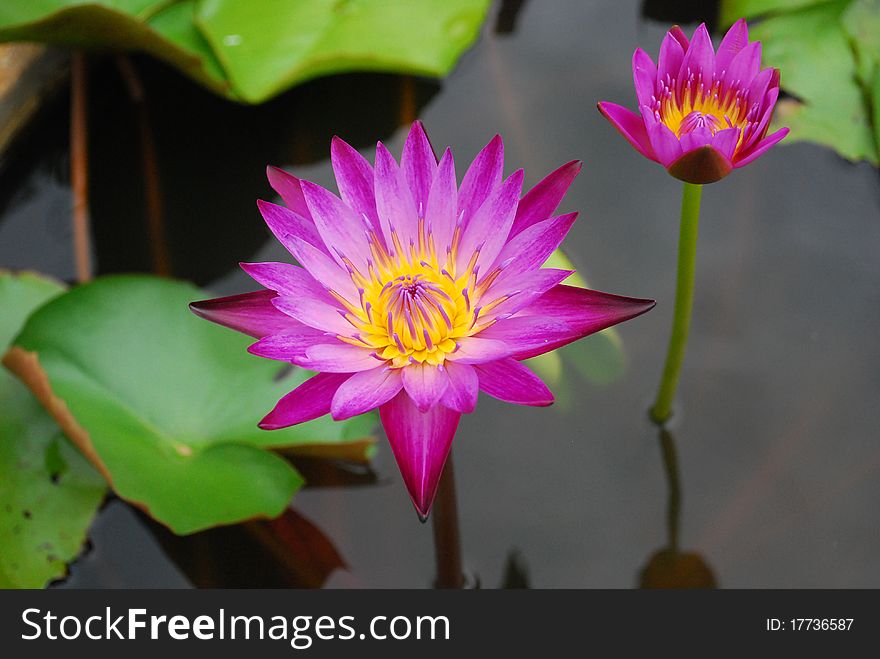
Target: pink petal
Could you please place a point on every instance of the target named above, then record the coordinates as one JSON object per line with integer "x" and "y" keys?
{"x": 420, "y": 443}
{"x": 734, "y": 41}
{"x": 286, "y": 279}
{"x": 338, "y": 358}
{"x": 308, "y": 401}
{"x": 695, "y": 139}
{"x": 761, "y": 147}
{"x": 488, "y": 229}
{"x": 461, "y": 394}
{"x": 365, "y": 391}
{"x": 250, "y": 313}
{"x": 522, "y": 291}
{"x": 481, "y": 178}
{"x": 671, "y": 55}
{"x": 354, "y": 177}
{"x": 440, "y": 216}
{"x": 418, "y": 163}
{"x": 510, "y": 381}
{"x": 394, "y": 201}
{"x": 425, "y": 384}
{"x": 664, "y": 143}
{"x": 699, "y": 58}
{"x": 530, "y": 249}
{"x": 343, "y": 232}
{"x": 725, "y": 142}
{"x": 644, "y": 77}
{"x": 630, "y": 125}
{"x": 288, "y": 187}
{"x": 678, "y": 34}
{"x": 583, "y": 311}
{"x": 314, "y": 313}
{"x": 324, "y": 269}
{"x": 762, "y": 82}
{"x": 744, "y": 66}
{"x": 527, "y": 333}
{"x": 286, "y": 224}
{"x": 541, "y": 201}
{"x": 473, "y": 350}
{"x": 290, "y": 345}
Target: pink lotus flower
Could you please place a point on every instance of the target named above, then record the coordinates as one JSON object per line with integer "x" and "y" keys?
{"x": 703, "y": 113}
{"x": 413, "y": 294}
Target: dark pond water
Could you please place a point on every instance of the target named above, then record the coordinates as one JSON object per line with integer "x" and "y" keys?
{"x": 778, "y": 432}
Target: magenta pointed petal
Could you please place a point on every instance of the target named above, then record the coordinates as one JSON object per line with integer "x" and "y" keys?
{"x": 671, "y": 55}
{"x": 761, "y": 83}
{"x": 419, "y": 164}
{"x": 734, "y": 41}
{"x": 665, "y": 144}
{"x": 744, "y": 67}
{"x": 678, "y": 34}
{"x": 541, "y": 201}
{"x": 308, "y": 401}
{"x": 510, "y": 381}
{"x": 531, "y": 248}
{"x": 630, "y": 125}
{"x": 528, "y": 333}
{"x": 365, "y": 391}
{"x": 762, "y": 147}
{"x": 488, "y": 230}
{"x": 700, "y": 56}
{"x": 644, "y": 76}
{"x": 286, "y": 224}
{"x": 354, "y": 177}
{"x": 290, "y": 345}
{"x": 338, "y": 358}
{"x": 286, "y": 279}
{"x": 249, "y": 313}
{"x": 461, "y": 394}
{"x": 288, "y": 187}
{"x": 725, "y": 142}
{"x": 696, "y": 139}
{"x": 323, "y": 268}
{"x": 521, "y": 291}
{"x": 394, "y": 200}
{"x": 476, "y": 350}
{"x": 442, "y": 209}
{"x": 700, "y": 166}
{"x": 314, "y": 313}
{"x": 420, "y": 442}
{"x": 343, "y": 232}
{"x": 481, "y": 178}
{"x": 425, "y": 384}
{"x": 584, "y": 312}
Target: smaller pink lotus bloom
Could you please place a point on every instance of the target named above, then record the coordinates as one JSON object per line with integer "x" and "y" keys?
{"x": 703, "y": 114}
{"x": 414, "y": 293}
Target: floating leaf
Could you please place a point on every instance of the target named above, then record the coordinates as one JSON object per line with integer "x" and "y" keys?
{"x": 48, "y": 492}
{"x": 820, "y": 49}
{"x": 165, "y": 404}
{"x": 599, "y": 358}
{"x": 251, "y": 51}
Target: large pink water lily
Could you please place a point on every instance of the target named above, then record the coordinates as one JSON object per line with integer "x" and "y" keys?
{"x": 702, "y": 113}
{"x": 413, "y": 293}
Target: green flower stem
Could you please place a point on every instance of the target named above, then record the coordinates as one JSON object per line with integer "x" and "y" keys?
{"x": 684, "y": 298}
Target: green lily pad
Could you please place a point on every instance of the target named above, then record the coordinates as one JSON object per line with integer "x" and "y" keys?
{"x": 166, "y": 405}
{"x": 822, "y": 51}
{"x": 599, "y": 358}
{"x": 48, "y": 492}
{"x": 251, "y": 51}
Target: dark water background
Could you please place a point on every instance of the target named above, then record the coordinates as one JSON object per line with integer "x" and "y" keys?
{"x": 778, "y": 434}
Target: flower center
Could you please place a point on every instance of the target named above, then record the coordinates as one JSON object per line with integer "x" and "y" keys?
{"x": 694, "y": 104}
{"x": 413, "y": 307}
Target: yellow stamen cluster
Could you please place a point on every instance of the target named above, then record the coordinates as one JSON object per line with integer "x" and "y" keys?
{"x": 414, "y": 306}
{"x": 694, "y": 104}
